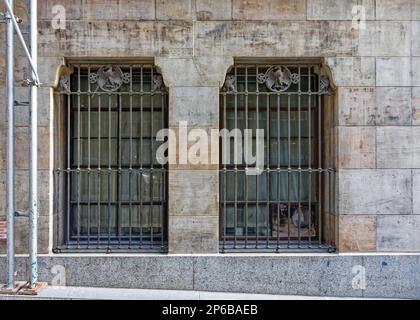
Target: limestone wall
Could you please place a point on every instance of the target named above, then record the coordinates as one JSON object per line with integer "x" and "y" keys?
{"x": 376, "y": 70}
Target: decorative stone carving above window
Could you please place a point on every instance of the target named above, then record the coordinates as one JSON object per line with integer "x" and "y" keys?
{"x": 157, "y": 82}
{"x": 230, "y": 84}
{"x": 324, "y": 84}
{"x": 109, "y": 78}
{"x": 278, "y": 78}
{"x": 64, "y": 84}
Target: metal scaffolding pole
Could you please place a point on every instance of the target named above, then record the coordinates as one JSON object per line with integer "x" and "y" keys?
{"x": 33, "y": 147}
{"x": 32, "y": 56}
{"x": 10, "y": 149}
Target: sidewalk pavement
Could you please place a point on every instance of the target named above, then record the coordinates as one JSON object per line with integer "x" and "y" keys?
{"x": 77, "y": 293}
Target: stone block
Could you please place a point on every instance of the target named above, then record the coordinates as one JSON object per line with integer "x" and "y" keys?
{"x": 193, "y": 193}
{"x": 47, "y": 9}
{"x": 416, "y": 192}
{"x": 269, "y": 10}
{"x": 415, "y": 38}
{"x": 357, "y": 106}
{"x": 21, "y": 113}
{"x": 357, "y": 233}
{"x": 275, "y": 38}
{"x": 3, "y": 147}
{"x": 193, "y": 234}
{"x": 119, "y": 10}
{"x": 393, "y": 72}
{"x": 393, "y": 9}
{"x": 170, "y": 9}
{"x": 22, "y": 148}
{"x": 394, "y": 105}
{"x": 415, "y": 105}
{"x": 48, "y": 70}
{"x": 3, "y": 105}
{"x": 283, "y": 274}
{"x": 375, "y": 39}
{"x": 397, "y": 147}
{"x": 352, "y": 71}
{"x": 392, "y": 275}
{"x": 415, "y": 69}
{"x": 415, "y": 10}
{"x": 356, "y": 147}
{"x": 198, "y": 106}
{"x": 123, "y": 39}
{"x": 194, "y": 72}
{"x": 213, "y": 9}
{"x": 22, "y": 191}
{"x": 398, "y": 233}
{"x": 338, "y": 10}
{"x": 3, "y": 193}
{"x": 371, "y": 192}
{"x": 201, "y": 152}
{"x": 22, "y": 236}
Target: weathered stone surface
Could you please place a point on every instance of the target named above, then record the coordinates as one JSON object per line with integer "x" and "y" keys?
{"x": 416, "y": 192}
{"x": 193, "y": 193}
{"x": 169, "y": 9}
{"x": 352, "y": 71}
{"x": 22, "y": 191}
{"x": 356, "y": 147}
{"x": 194, "y": 72}
{"x": 21, "y": 114}
{"x": 415, "y": 69}
{"x": 198, "y": 106}
{"x": 394, "y": 106}
{"x": 197, "y": 156}
{"x": 213, "y": 9}
{"x": 415, "y": 104}
{"x": 384, "y": 192}
{"x": 119, "y": 9}
{"x": 415, "y": 10}
{"x": 269, "y": 9}
{"x": 357, "y": 106}
{"x": 338, "y": 10}
{"x": 398, "y": 147}
{"x": 129, "y": 271}
{"x": 3, "y": 193}
{"x": 283, "y": 274}
{"x": 391, "y": 275}
{"x": 415, "y": 38}
{"x": 193, "y": 234}
{"x": 375, "y": 39}
{"x": 22, "y": 148}
{"x": 48, "y": 69}
{"x": 275, "y": 38}
{"x": 22, "y": 236}
{"x": 387, "y": 275}
{"x": 393, "y": 71}
{"x": 48, "y": 9}
{"x": 398, "y": 233}
{"x": 393, "y": 9}
{"x": 3, "y": 147}
{"x": 117, "y": 39}
{"x": 357, "y": 233}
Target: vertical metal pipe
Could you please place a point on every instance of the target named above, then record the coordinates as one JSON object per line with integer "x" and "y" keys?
{"x": 10, "y": 151}
{"x": 33, "y": 165}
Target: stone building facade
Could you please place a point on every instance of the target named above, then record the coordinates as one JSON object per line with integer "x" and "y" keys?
{"x": 373, "y": 67}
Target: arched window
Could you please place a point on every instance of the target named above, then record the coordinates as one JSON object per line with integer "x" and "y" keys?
{"x": 113, "y": 192}
{"x": 289, "y": 205}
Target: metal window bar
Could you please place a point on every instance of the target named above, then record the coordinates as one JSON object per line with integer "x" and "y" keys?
{"x": 290, "y": 206}
{"x": 115, "y": 193}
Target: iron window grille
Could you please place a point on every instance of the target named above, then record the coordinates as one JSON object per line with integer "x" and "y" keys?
{"x": 110, "y": 192}
{"x": 290, "y": 205}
